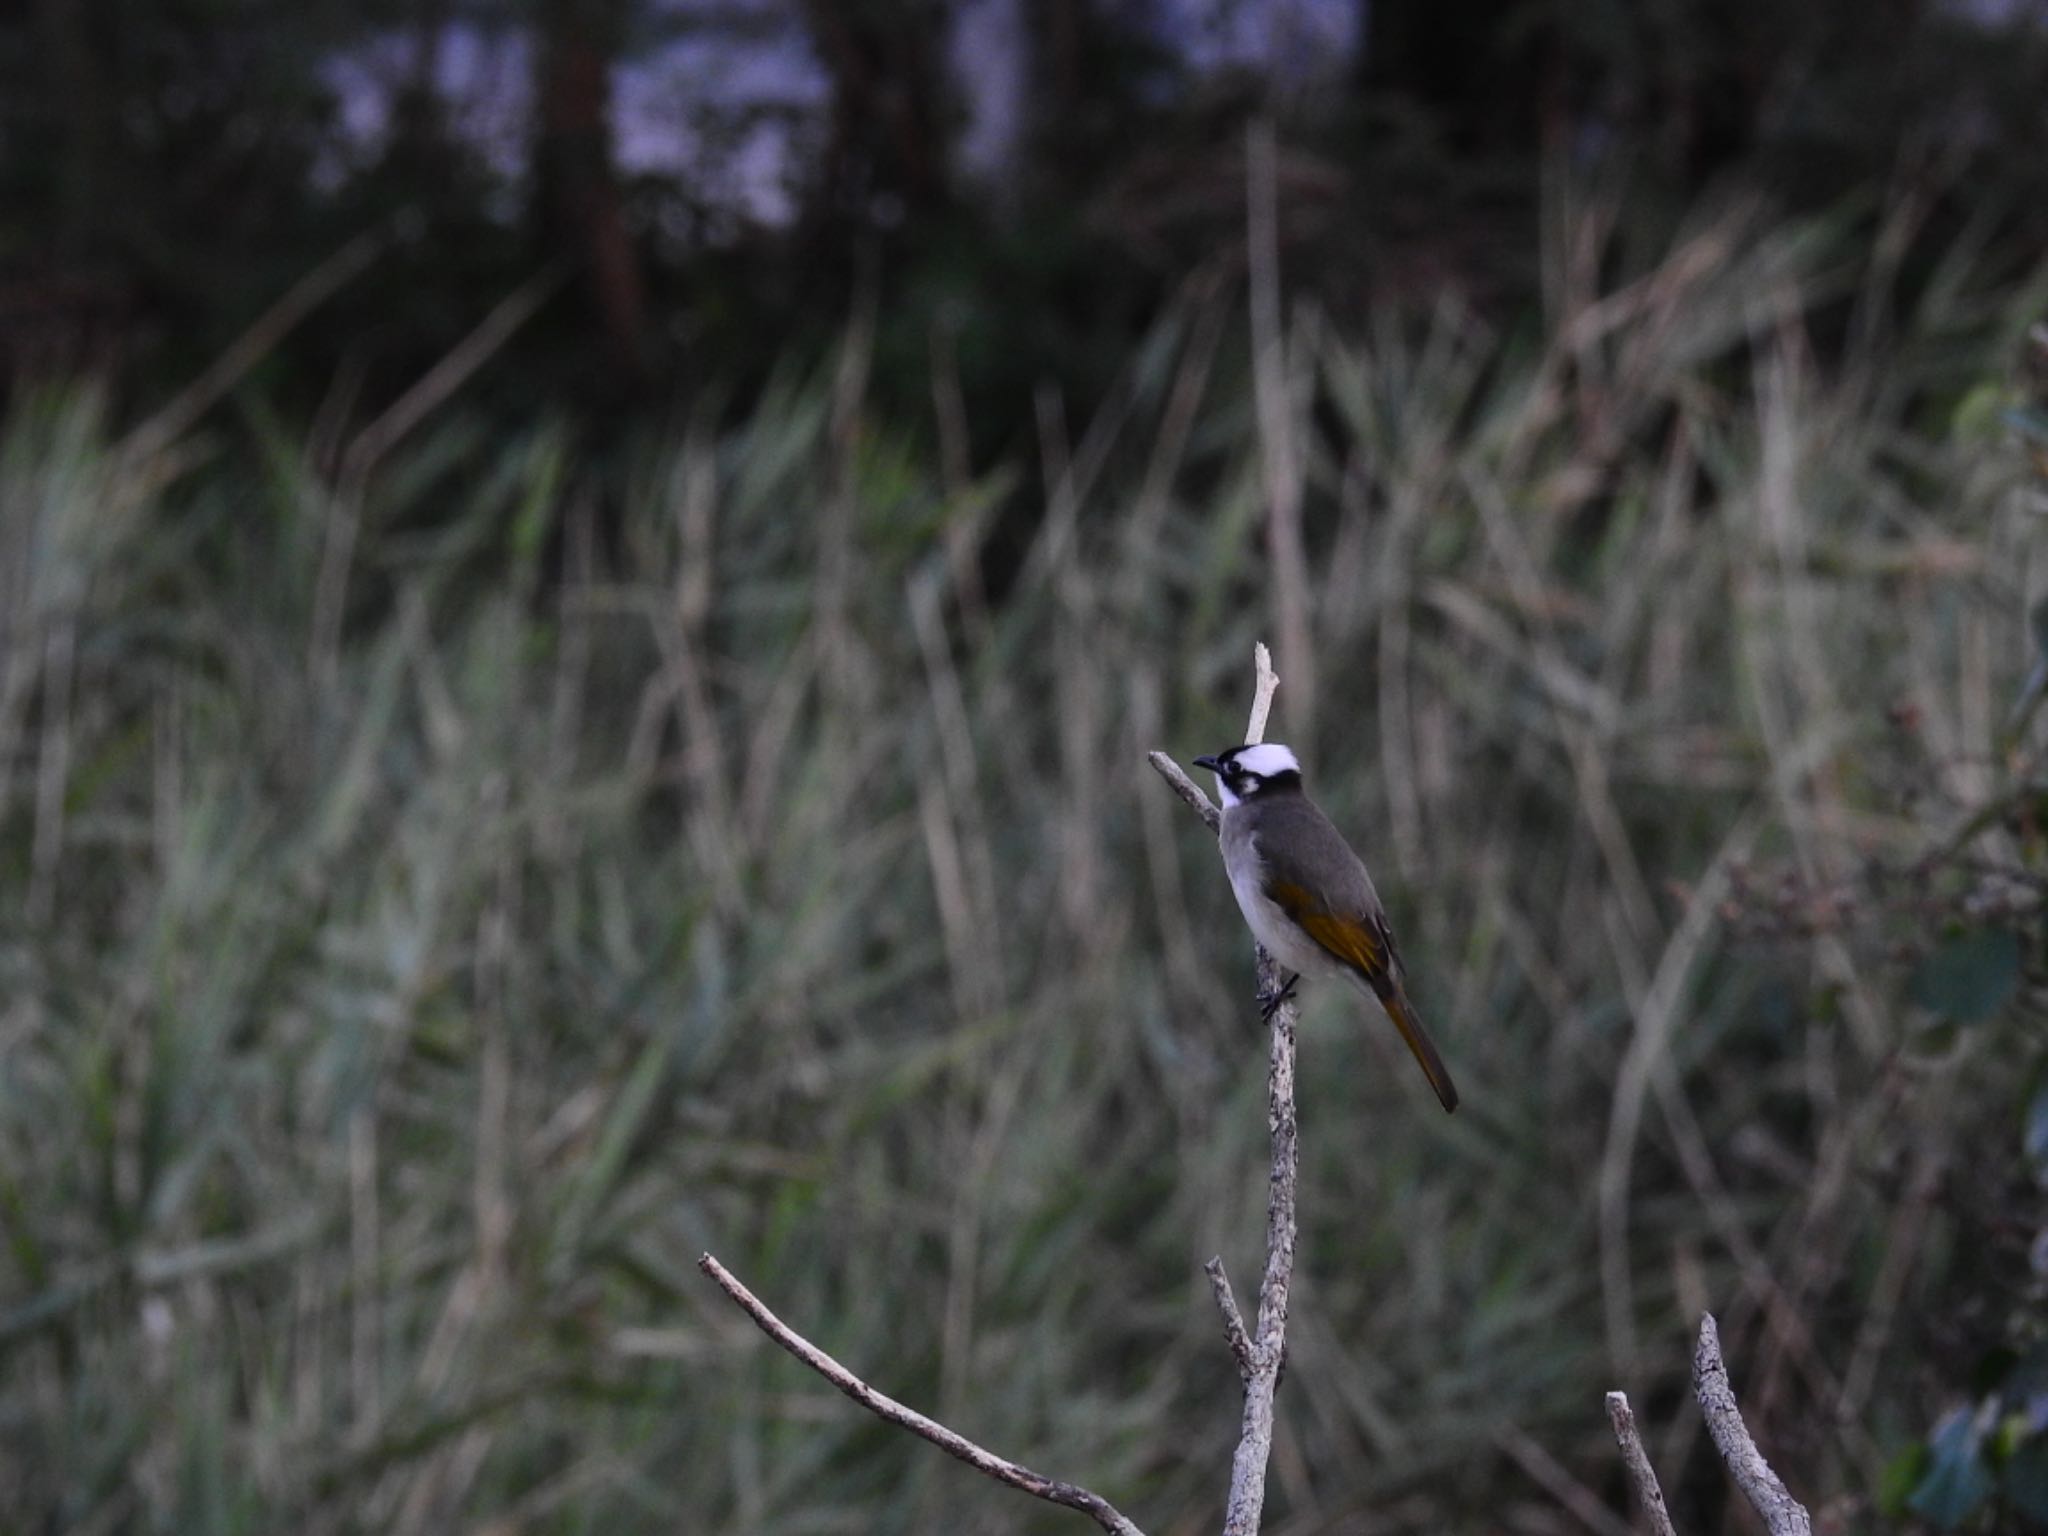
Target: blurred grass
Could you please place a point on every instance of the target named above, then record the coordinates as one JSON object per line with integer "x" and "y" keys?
{"x": 389, "y": 1017}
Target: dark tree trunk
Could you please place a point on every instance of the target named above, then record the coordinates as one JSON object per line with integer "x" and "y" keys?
{"x": 581, "y": 213}
{"x": 892, "y": 108}
{"x": 1482, "y": 67}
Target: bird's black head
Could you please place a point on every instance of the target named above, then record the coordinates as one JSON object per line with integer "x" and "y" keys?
{"x": 1262, "y": 768}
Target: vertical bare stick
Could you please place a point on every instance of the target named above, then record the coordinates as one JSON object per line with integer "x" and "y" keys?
{"x": 1264, "y": 682}
{"x": 1255, "y": 1440}
{"x": 1259, "y": 1356}
{"x": 1637, "y": 1460}
{"x": 1782, "y": 1514}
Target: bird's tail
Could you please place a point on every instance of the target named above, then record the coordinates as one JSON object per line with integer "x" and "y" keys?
{"x": 1395, "y": 1000}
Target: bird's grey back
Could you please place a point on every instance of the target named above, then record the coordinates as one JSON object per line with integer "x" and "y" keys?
{"x": 1317, "y": 859}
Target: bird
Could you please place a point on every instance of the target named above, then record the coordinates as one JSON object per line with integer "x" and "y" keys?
{"x": 1306, "y": 895}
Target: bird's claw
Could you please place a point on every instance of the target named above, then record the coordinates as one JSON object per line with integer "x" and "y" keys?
{"x": 1270, "y": 1002}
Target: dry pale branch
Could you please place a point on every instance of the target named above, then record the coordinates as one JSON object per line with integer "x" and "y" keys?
{"x": 1255, "y": 1439}
{"x": 1265, "y": 682}
{"x": 1637, "y": 1460}
{"x": 1186, "y": 788}
{"x": 1259, "y": 1355}
{"x": 1263, "y": 685}
{"x": 1233, "y": 1320}
{"x": 1782, "y": 1514}
{"x": 883, "y": 1406}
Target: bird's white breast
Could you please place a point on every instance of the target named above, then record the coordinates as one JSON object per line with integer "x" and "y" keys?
{"x": 1272, "y": 927}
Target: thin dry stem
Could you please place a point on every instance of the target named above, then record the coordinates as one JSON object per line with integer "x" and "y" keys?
{"x": 1767, "y": 1494}
{"x": 1260, "y": 1354}
{"x": 987, "y": 1462}
{"x": 1264, "y": 684}
{"x": 1637, "y": 1460}
{"x": 1186, "y": 788}
{"x": 1255, "y": 1440}
{"x": 1233, "y": 1320}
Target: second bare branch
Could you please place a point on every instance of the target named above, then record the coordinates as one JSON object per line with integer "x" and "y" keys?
{"x": 987, "y": 1462}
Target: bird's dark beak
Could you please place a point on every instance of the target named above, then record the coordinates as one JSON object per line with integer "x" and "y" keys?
{"x": 1209, "y": 763}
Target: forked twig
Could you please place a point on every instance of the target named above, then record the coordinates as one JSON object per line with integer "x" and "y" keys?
{"x": 987, "y": 1462}
{"x": 1782, "y": 1514}
{"x": 1233, "y": 1320}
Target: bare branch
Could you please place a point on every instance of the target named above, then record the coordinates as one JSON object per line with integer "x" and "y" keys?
{"x": 1233, "y": 1320}
{"x": 1255, "y": 1440}
{"x": 1262, "y": 693}
{"x": 1782, "y": 1514}
{"x": 883, "y": 1406}
{"x": 1186, "y": 788}
{"x": 1637, "y": 1460}
{"x": 1265, "y": 682}
{"x": 1258, "y": 1356}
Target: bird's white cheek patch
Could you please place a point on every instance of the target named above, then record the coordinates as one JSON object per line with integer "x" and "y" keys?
{"x": 1224, "y": 794}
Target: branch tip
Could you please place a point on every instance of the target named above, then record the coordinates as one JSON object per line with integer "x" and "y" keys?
{"x": 1265, "y": 680}
{"x": 1233, "y": 1320}
{"x": 1782, "y": 1514}
{"x": 1637, "y": 1460}
{"x": 1189, "y": 791}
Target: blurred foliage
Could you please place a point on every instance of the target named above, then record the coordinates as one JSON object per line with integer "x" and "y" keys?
{"x": 165, "y": 170}
{"x": 445, "y": 889}
{"x": 599, "y": 723}
{"x": 1985, "y": 1464}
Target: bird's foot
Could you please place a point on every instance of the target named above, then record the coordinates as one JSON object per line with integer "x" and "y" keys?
{"x": 1269, "y": 1003}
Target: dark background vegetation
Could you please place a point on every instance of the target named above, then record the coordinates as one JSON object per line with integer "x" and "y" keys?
{"x": 583, "y": 586}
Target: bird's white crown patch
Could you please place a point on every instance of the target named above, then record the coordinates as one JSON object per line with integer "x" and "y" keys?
{"x": 1268, "y": 760}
